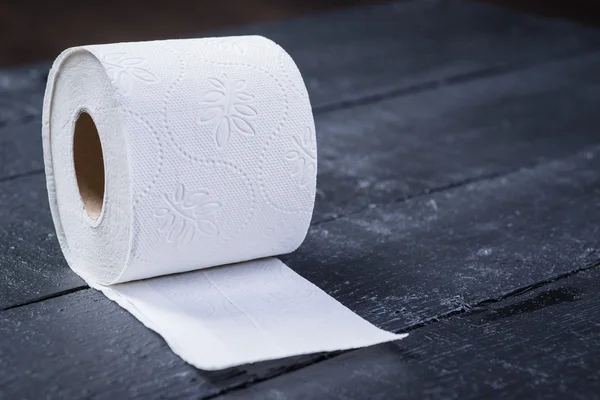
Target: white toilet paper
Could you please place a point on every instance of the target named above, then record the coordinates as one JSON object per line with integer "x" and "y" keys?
{"x": 172, "y": 156}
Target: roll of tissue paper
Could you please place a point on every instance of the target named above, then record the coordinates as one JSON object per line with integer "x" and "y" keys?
{"x": 170, "y": 165}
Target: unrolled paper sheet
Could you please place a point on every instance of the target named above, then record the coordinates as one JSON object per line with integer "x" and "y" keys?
{"x": 209, "y": 161}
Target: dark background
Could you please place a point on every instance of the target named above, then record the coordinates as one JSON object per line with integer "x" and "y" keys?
{"x": 33, "y": 31}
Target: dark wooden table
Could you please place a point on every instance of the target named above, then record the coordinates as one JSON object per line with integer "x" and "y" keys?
{"x": 458, "y": 200}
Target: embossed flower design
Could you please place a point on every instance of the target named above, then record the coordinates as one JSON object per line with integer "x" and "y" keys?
{"x": 234, "y": 45}
{"x": 229, "y": 108}
{"x": 285, "y": 237}
{"x": 303, "y": 156}
{"x": 124, "y": 70}
{"x": 186, "y": 214}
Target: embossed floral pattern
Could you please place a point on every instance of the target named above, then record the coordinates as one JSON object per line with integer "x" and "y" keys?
{"x": 235, "y": 45}
{"x": 303, "y": 156}
{"x": 187, "y": 214}
{"x": 229, "y": 108}
{"x": 285, "y": 237}
{"x": 124, "y": 70}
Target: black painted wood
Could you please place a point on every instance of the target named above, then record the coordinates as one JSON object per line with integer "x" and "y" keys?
{"x": 544, "y": 344}
{"x": 81, "y": 345}
{"x": 31, "y": 261}
{"x": 353, "y": 56}
{"x": 404, "y": 264}
{"x": 21, "y": 150}
{"x": 21, "y": 94}
{"x": 400, "y": 266}
{"x": 370, "y": 51}
{"x": 412, "y": 144}
{"x": 376, "y": 153}
{"x": 363, "y": 50}
{"x": 399, "y": 234}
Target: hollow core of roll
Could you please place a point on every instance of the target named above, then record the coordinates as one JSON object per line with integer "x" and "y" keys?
{"x": 89, "y": 165}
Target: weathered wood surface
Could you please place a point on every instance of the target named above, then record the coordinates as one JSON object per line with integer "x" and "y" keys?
{"x": 339, "y": 52}
{"x": 82, "y": 346}
{"x": 351, "y": 57}
{"x": 403, "y": 264}
{"x": 454, "y": 180}
{"x": 397, "y": 148}
{"x": 389, "y": 48}
{"x": 376, "y": 153}
{"x": 542, "y": 344}
{"x": 400, "y": 266}
{"x": 31, "y": 261}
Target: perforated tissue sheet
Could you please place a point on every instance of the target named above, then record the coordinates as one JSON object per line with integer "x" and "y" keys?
{"x": 175, "y": 171}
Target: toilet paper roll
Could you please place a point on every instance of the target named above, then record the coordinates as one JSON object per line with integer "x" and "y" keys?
{"x": 172, "y": 156}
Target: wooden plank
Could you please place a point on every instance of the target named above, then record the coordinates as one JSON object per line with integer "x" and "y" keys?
{"x": 370, "y": 51}
{"x": 26, "y": 78}
{"x": 398, "y": 265}
{"x": 20, "y": 107}
{"x": 544, "y": 344}
{"x": 478, "y": 132}
{"x": 408, "y": 145}
{"x": 31, "y": 261}
{"x": 355, "y": 56}
{"x": 403, "y": 264}
{"x": 416, "y": 239}
{"x": 83, "y": 346}
{"x": 383, "y": 152}
{"x": 21, "y": 150}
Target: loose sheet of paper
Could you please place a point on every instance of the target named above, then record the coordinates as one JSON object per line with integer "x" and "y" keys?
{"x": 236, "y": 314}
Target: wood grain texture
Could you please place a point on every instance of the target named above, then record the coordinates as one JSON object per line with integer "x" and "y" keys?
{"x": 450, "y": 181}
{"x": 359, "y": 55}
{"x": 31, "y": 260}
{"x": 397, "y": 148}
{"x": 401, "y": 266}
{"x": 405, "y": 45}
{"x": 376, "y": 153}
{"x": 544, "y": 344}
{"x": 91, "y": 348}
{"x": 21, "y": 93}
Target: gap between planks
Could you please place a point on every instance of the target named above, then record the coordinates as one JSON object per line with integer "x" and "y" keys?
{"x": 458, "y": 79}
{"x": 462, "y": 309}
{"x": 365, "y": 100}
{"x": 21, "y": 175}
{"x": 359, "y": 209}
{"x": 496, "y": 70}
{"x": 44, "y": 298}
{"x": 383, "y": 96}
{"x": 327, "y": 220}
